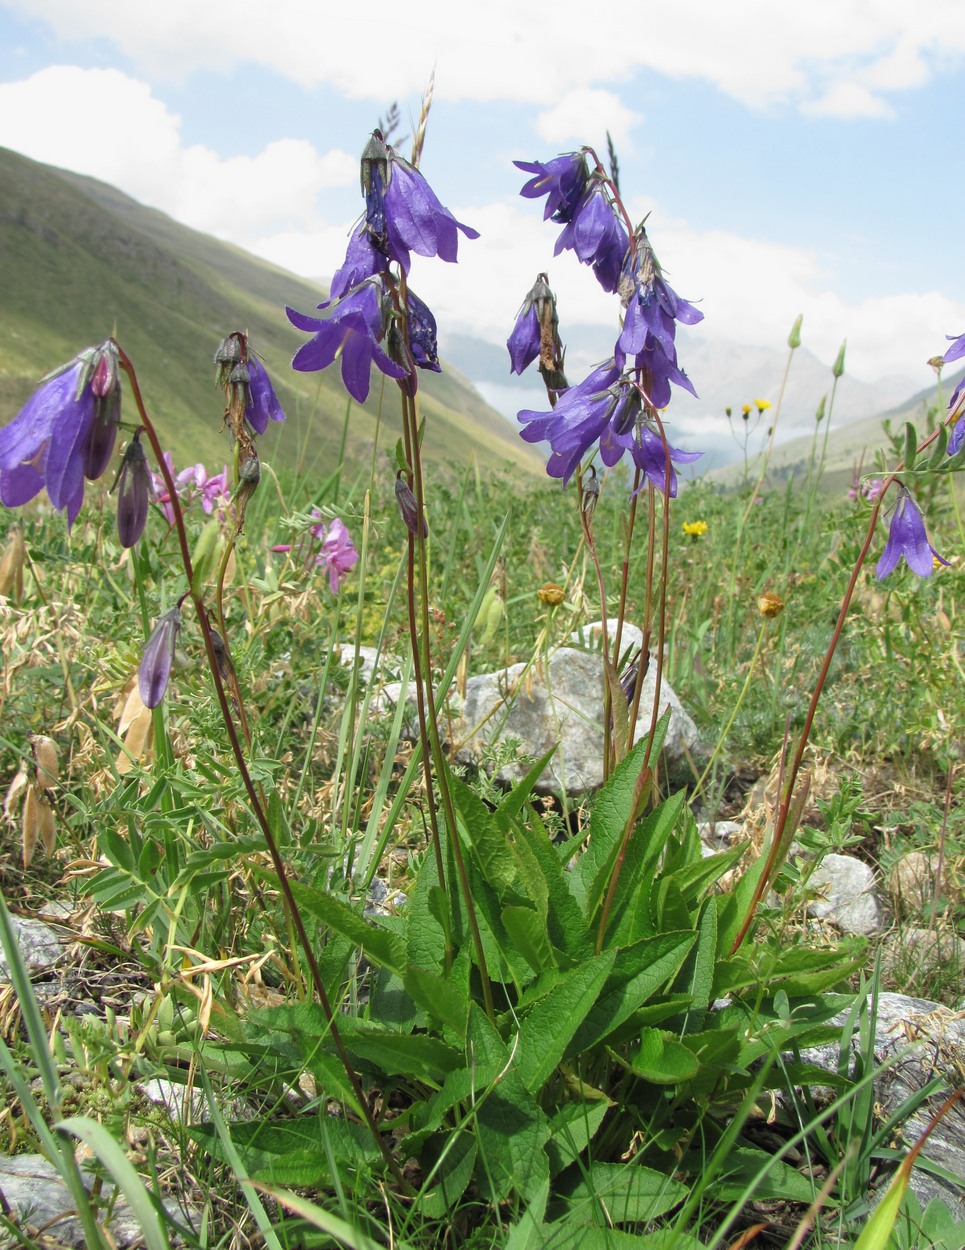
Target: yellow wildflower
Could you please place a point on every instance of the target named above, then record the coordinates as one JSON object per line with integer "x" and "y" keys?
{"x": 695, "y": 528}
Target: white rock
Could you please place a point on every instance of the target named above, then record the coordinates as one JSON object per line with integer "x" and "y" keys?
{"x": 847, "y": 895}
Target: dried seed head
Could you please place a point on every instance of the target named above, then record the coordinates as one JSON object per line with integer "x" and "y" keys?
{"x": 770, "y": 604}
{"x": 46, "y": 761}
{"x": 12, "y": 563}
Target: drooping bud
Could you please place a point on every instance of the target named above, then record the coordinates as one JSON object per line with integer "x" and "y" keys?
{"x": 838, "y": 367}
{"x": 374, "y": 177}
{"x": 155, "y": 666}
{"x": 591, "y": 492}
{"x": 103, "y": 379}
{"x": 227, "y": 356}
{"x": 133, "y": 493}
{"x": 415, "y": 522}
{"x": 794, "y": 338}
{"x": 423, "y": 336}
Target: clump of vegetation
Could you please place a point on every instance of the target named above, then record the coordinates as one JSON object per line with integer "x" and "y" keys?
{"x": 416, "y": 1007}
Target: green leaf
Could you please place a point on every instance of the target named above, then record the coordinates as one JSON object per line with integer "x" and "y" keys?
{"x": 697, "y": 975}
{"x": 448, "y": 1176}
{"x": 493, "y": 855}
{"x": 296, "y": 1152}
{"x": 662, "y": 1060}
{"x": 611, "y": 811}
{"x": 572, "y": 1128}
{"x": 619, "y": 1193}
{"x": 510, "y": 1128}
{"x": 547, "y": 1029}
{"x": 911, "y": 447}
{"x": 526, "y": 929}
{"x": 445, "y": 998}
{"x": 426, "y": 917}
{"x": 517, "y": 798}
{"x": 381, "y": 947}
{"x": 639, "y": 972}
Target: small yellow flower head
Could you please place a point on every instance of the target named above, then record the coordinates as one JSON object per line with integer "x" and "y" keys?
{"x": 746, "y": 410}
{"x": 762, "y": 404}
{"x": 695, "y": 528}
{"x": 770, "y": 604}
{"x": 552, "y": 594}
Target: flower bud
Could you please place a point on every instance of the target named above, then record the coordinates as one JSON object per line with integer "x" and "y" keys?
{"x": 552, "y": 594}
{"x": 769, "y": 604}
{"x": 591, "y": 492}
{"x": 819, "y": 415}
{"x": 794, "y": 338}
{"x": 838, "y": 367}
{"x": 415, "y": 523}
{"x": 227, "y": 355}
{"x": 133, "y": 493}
{"x": 155, "y": 666}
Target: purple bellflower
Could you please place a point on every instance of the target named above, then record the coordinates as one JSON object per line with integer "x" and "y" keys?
{"x": 579, "y": 418}
{"x": 362, "y": 260}
{"x": 262, "y": 403}
{"x": 907, "y": 538}
{"x": 562, "y": 180}
{"x": 155, "y": 666}
{"x": 654, "y": 307}
{"x": 64, "y": 433}
{"x": 597, "y": 236}
{"x": 351, "y": 334}
{"x": 415, "y": 220}
{"x": 402, "y": 212}
{"x": 608, "y": 406}
{"x": 525, "y": 341}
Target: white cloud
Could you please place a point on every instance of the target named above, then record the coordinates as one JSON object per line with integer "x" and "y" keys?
{"x": 849, "y": 99}
{"x": 585, "y": 116}
{"x": 759, "y": 52}
{"x": 103, "y": 123}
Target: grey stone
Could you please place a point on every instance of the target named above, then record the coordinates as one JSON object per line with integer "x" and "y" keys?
{"x": 37, "y": 1197}
{"x": 40, "y": 947}
{"x": 925, "y": 1040}
{"x": 847, "y": 897}
{"x": 559, "y": 705}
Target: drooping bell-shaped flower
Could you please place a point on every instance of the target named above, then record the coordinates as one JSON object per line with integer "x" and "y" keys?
{"x": 908, "y": 540}
{"x": 155, "y": 666}
{"x": 133, "y": 493}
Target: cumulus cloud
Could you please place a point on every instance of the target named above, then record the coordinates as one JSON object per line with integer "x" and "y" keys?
{"x": 586, "y": 116}
{"x": 108, "y": 125}
{"x": 753, "y": 50}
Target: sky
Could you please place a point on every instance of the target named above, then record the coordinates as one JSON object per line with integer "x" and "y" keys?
{"x": 793, "y": 158}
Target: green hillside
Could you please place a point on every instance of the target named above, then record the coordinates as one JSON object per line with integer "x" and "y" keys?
{"x": 79, "y": 260}
{"x": 849, "y": 446}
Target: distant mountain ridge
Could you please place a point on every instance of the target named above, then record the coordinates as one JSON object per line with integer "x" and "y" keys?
{"x": 79, "y": 258}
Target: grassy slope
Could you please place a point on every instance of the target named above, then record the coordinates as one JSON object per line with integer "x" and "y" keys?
{"x": 849, "y": 445}
{"x": 78, "y": 258}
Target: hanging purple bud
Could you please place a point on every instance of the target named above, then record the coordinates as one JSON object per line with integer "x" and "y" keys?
{"x": 106, "y": 388}
{"x": 133, "y": 493}
{"x": 415, "y": 523}
{"x": 262, "y": 401}
{"x": 103, "y": 435}
{"x": 155, "y": 667}
{"x": 422, "y": 334}
{"x": 374, "y": 174}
